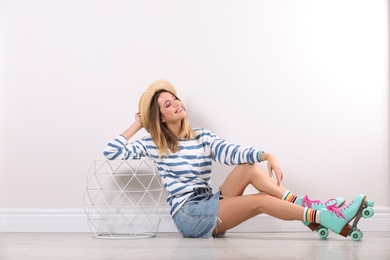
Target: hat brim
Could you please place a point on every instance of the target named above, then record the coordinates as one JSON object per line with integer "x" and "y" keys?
{"x": 146, "y": 99}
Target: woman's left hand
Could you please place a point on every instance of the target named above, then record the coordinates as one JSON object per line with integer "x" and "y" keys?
{"x": 273, "y": 167}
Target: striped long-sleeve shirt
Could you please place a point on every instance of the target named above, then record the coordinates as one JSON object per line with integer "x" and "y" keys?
{"x": 189, "y": 168}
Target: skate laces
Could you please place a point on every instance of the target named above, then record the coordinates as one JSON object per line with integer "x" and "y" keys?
{"x": 329, "y": 202}
{"x": 307, "y": 202}
{"x": 334, "y": 209}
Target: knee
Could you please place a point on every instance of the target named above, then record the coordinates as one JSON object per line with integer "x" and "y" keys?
{"x": 264, "y": 196}
{"x": 262, "y": 199}
{"x": 259, "y": 202}
{"x": 253, "y": 171}
{"x": 251, "y": 168}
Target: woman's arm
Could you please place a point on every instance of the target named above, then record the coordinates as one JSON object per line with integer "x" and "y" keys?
{"x": 134, "y": 128}
{"x": 119, "y": 148}
{"x": 231, "y": 154}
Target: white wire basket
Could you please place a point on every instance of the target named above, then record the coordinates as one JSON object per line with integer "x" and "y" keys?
{"x": 122, "y": 198}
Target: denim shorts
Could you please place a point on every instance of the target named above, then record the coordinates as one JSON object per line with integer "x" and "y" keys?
{"x": 198, "y": 217}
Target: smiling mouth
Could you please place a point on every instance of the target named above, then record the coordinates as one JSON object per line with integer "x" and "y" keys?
{"x": 179, "y": 110}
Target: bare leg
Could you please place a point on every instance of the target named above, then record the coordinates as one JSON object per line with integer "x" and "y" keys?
{"x": 245, "y": 174}
{"x": 236, "y": 208}
{"x": 233, "y": 211}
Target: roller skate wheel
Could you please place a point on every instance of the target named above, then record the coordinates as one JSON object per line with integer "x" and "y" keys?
{"x": 356, "y": 235}
{"x": 323, "y": 233}
{"x": 368, "y": 212}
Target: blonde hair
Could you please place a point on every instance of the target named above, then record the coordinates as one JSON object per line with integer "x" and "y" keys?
{"x": 163, "y": 137}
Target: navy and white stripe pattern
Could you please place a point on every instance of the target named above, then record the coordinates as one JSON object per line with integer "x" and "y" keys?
{"x": 190, "y": 167}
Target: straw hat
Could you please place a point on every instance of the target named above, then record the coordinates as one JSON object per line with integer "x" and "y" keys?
{"x": 146, "y": 99}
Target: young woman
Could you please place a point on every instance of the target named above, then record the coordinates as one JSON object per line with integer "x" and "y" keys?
{"x": 184, "y": 155}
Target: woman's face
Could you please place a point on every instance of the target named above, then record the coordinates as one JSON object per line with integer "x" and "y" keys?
{"x": 171, "y": 108}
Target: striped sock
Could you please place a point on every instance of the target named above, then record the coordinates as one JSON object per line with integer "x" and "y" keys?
{"x": 311, "y": 215}
{"x": 290, "y": 197}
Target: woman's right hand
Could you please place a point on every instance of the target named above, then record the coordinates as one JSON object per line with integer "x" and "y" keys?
{"x": 138, "y": 122}
{"x": 138, "y": 118}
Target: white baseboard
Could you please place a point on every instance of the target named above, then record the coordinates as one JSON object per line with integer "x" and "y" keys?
{"x": 75, "y": 220}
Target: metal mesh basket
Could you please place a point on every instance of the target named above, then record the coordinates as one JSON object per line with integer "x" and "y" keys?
{"x": 122, "y": 198}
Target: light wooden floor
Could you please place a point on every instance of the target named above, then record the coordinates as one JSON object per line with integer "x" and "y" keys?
{"x": 305, "y": 245}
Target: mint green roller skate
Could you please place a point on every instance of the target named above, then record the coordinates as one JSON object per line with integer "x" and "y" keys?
{"x": 304, "y": 201}
{"x": 366, "y": 212}
{"x": 338, "y": 219}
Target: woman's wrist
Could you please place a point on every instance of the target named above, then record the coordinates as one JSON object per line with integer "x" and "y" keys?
{"x": 137, "y": 125}
{"x": 262, "y": 156}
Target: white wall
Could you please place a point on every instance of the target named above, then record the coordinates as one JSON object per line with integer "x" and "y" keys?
{"x": 305, "y": 80}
